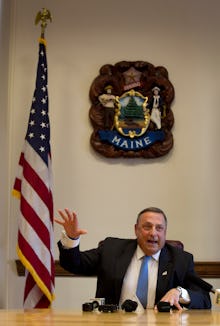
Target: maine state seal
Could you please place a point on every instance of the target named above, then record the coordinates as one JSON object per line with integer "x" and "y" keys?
{"x": 131, "y": 110}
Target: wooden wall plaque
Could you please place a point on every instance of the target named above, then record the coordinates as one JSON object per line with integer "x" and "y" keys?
{"x": 131, "y": 111}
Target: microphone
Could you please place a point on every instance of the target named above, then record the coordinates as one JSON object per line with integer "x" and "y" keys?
{"x": 129, "y": 305}
{"x": 200, "y": 282}
{"x": 163, "y": 306}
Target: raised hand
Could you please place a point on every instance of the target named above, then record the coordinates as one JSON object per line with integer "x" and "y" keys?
{"x": 70, "y": 223}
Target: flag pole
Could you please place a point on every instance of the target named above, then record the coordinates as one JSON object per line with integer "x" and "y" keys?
{"x": 33, "y": 186}
{"x": 43, "y": 16}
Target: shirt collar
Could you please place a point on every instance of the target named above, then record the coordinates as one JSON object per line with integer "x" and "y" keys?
{"x": 141, "y": 254}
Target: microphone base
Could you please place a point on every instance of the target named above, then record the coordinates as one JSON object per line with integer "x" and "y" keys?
{"x": 163, "y": 306}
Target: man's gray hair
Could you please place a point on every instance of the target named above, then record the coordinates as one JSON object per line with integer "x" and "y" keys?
{"x": 153, "y": 210}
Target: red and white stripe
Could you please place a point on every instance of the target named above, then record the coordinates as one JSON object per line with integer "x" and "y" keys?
{"x": 35, "y": 229}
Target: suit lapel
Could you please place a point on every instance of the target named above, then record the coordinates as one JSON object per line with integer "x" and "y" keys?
{"x": 165, "y": 271}
{"x": 123, "y": 260}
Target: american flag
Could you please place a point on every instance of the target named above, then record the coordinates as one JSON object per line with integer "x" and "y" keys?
{"x": 33, "y": 186}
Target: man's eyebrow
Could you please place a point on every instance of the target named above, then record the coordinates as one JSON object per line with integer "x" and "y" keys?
{"x": 151, "y": 224}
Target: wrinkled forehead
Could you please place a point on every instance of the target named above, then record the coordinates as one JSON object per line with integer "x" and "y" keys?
{"x": 152, "y": 218}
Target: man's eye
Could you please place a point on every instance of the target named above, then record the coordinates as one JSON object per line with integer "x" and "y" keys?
{"x": 159, "y": 228}
{"x": 147, "y": 227}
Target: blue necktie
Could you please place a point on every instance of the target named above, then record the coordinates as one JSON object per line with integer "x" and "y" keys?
{"x": 142, "y": 287}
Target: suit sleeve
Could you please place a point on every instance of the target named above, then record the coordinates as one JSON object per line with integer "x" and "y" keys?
{"x": 179, "y": 265}
{"x": 199, "y": 298}
{"x": 76, "y": 262}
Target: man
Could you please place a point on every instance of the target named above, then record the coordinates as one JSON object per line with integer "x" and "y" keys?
{"x": 156, "y": 106}
{"x": 108, "y": 102}
{"x": 117, "y": 263}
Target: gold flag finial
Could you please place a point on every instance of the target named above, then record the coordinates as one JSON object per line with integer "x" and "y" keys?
{"x": 44, "y": 15}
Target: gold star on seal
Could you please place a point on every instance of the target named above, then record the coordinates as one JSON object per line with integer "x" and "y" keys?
{"x": 132, "y": 75}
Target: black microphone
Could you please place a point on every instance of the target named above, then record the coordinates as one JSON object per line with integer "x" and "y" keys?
{"x": 200, "y": 282}
{"x": 129, "y": 305}
{"x": 163, "y": 306}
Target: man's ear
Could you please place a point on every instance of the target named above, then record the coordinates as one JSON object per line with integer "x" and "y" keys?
{"x": 135, "y": 229}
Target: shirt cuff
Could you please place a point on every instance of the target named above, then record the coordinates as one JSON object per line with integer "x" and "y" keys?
{"x": 185, "y": 298}
{"x": 67, "y": 242}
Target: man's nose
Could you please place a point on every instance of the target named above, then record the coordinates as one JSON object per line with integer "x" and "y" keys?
{"x": 153, "y": 230}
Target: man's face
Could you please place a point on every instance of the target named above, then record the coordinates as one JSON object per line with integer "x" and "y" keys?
{"x": 151, "y": 232}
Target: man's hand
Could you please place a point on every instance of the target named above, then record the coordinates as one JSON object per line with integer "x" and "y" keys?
{"x": 172, "y": 296}
{"x": 70, "y": 223}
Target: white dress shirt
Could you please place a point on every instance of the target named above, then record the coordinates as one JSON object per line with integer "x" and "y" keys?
{"x": 131, "y": 278}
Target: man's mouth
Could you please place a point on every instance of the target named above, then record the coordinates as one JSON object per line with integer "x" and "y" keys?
{"x": 152, "y": 242}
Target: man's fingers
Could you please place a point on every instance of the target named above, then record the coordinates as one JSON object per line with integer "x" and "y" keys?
{"x": 63, "y": 215}
{"x": 58, "y": 221}
{"x": 70, "y": 215}
{"x": 83, "y": 231}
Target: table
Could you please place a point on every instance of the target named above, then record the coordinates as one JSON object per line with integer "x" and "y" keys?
{"x": 50, "y": 317}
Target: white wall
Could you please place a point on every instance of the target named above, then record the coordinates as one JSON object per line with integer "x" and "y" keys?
{"x": 183, "y": 36}
{"x": 4, "y": 146}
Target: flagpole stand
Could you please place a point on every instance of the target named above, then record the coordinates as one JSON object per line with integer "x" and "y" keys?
{"x": 44, "y": 15}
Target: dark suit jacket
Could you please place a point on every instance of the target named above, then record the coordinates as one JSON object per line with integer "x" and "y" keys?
{"x": 109, "y": 262}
